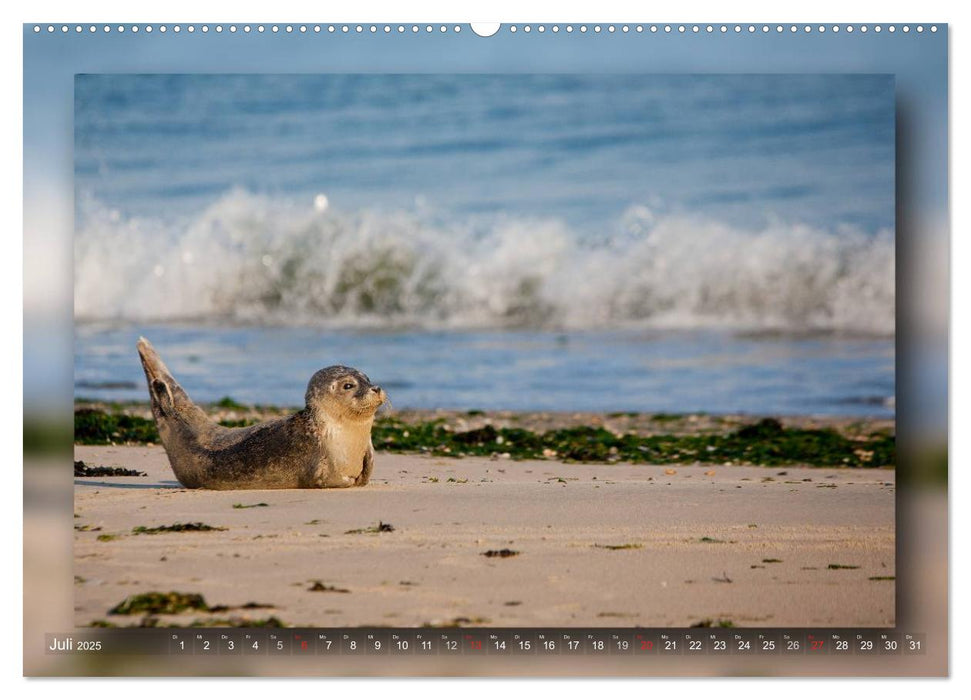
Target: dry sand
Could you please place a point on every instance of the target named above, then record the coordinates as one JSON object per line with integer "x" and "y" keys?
{"x": 700, "y": 539}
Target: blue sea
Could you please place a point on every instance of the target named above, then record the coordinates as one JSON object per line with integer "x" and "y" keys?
{"x": 720, "y": 243}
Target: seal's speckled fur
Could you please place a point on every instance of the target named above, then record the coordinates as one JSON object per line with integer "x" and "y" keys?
{"x": 326, "y": 445}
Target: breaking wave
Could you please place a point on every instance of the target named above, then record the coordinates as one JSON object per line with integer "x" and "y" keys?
{"x": 254, "y": 259}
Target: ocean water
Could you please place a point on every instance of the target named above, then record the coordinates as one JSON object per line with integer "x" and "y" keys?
{"x": 557, "y": 242}
{"x": 656, "y": 371}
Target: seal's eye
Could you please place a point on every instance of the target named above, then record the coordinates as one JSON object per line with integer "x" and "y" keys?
{"x": 348, "y": 386}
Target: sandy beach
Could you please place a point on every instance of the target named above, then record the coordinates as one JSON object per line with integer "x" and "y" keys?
{"x": 614, "y": 545}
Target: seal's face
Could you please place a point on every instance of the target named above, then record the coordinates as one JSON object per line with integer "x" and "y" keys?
{"x": 344, "y": 392}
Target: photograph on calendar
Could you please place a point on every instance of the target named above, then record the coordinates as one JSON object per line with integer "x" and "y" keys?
{"x": 484, "y": 351}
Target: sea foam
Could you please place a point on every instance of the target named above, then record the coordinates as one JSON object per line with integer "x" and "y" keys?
{"x": 250, "y": 258}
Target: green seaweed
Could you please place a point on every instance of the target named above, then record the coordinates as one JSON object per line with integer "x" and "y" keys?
{"x": 253, "y": 505}
{"x": 318, "y": 587}
{"x": 94, "y": 427}
{"x": 230, "y": 403}
{"x": 714, "y": 623}
{"x": 82, "y": 469}
{"x": 616, "y": 547}
{"x": 842, "y": 566}
{"x": 155, "y": 603}
{"x": 177, "y": 527}
{"x": 766, "y": 442}
{"x": 373, "y": 530}
{"x": 271, "y": 621}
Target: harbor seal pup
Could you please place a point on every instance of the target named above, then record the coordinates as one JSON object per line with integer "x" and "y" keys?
{"x": 326, "y": 445}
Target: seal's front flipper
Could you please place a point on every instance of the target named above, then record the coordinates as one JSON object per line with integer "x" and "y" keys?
{"x": 365, "y": 475}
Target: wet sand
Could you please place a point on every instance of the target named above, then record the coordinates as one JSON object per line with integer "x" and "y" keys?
{"x": 596, "y": 545}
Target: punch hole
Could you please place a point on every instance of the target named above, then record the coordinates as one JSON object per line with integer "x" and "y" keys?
{"x": 485, "y": 29}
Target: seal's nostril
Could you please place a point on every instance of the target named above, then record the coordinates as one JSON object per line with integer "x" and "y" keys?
{"x": 376, "y": 389}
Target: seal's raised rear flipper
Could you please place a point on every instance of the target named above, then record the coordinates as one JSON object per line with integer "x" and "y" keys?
{"x": 168, "y": 398}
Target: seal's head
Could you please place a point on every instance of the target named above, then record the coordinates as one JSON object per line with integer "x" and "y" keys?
{"x": 344, "y": 393}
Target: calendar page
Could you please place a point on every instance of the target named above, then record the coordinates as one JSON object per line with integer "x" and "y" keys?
{"x": 519, "y": 349}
